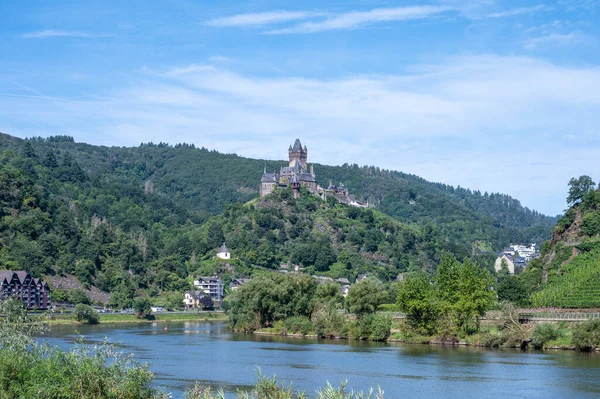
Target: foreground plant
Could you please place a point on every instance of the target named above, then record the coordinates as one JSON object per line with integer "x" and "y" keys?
{"x": 269, "y": 388}
{"x": 30, "y": 370}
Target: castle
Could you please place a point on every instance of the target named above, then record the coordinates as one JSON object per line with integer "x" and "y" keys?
{"x": 297, "y": 175}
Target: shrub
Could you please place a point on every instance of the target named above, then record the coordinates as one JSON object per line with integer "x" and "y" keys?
{"x": 381, "y": 326}
{"x": 493, "y": 339}
{"x": 86, "y": 314}
{"x": 298, "y": 325}
{"x": 142, "y": 307}
{"x": 329, "y": 322}
{"x": 586, "y": 336}
{"x": 78, "y": 295}
{"x": 542, "y": 334}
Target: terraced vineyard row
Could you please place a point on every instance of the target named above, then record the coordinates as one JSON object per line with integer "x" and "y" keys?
{"x": 578, "y": 285}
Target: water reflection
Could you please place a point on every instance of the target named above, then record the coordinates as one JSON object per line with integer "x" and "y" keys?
{"x": 210, "y": 354}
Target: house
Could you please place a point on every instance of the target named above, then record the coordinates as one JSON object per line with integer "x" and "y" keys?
{"x": 343, "y": 280}
{"x": 212, "y": 286}
{"x": 509, "y": 263}
{"x": 34, "y": 292}
{"x": 223, "y": 252}
{"x": 360, "y": 278}
{"x": 237, "y": 283}
{"x": 345, "y": 289}
{"x": 191, "y": 299}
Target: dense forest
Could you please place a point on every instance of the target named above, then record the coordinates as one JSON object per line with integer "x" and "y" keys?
{"x": 148, "y": 217}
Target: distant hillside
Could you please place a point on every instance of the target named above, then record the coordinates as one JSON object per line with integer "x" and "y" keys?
{"x": 205, "y": 181}
{"x": 568, "y": 274}
{"x": 130, "y": 219}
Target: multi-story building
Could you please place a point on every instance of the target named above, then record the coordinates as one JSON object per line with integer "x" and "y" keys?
{"x": 212, "y": 286}
{"x": 34, "y": 292}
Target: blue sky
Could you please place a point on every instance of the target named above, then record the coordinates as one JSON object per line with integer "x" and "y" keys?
{"x": 492, "y": 95}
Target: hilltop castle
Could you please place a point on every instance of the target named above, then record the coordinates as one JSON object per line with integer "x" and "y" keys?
{"x": 297, "y": 175}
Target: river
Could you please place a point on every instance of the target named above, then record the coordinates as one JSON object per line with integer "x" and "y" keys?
{"x": 208, "y": 353}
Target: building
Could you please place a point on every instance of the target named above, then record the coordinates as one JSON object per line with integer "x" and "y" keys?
{"x": 223, "y": 252}
{"x": 34, "y": 292}
{"x": 509, "y": 263}
{"x": 237, "y": 283}
{"x": 298, "y": 175}
{"x": 191, "y": 299}
{"x": 212, "y": 286}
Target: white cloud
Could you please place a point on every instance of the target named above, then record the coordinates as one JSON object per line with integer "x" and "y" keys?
{"x": 262, "y": 18}
{"x": 357, "y": 19}
{"x": 519, "y": 11}
{"x": 555, "y": 39}
{"x": 42, "y": 34}
{"x": 486, "y": 122}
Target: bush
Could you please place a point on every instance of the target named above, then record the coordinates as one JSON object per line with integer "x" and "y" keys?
{"x": 329, "y": 322}
{"x": 78, "y": 295}
{"x": 381, "y": 326}
{"x": 143, "y": 308}
{"x": 298, "y": 325}
{"x": 586, "y": 336}
{"x": 29, "y": 370}
{"x": 86, "y": 314}
{"x": 492, "y": 339}
{"x": 544, "y": 333}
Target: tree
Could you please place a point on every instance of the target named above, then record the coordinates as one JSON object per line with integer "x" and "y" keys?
{"x": 474, "y": 296}
{"x": 78, "y": 296}
{"x": 206, "y": 303}
{"x": 417, "y": 298}
{"x": 365, "y": 296}
{"x": 142, "y": 308}
{"x": 511, "y": 288}
{"x": 578, "y": 188}
{"x": 86, "y": 314}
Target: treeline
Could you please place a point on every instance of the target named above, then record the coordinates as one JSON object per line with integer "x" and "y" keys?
{"x": 297, "y": 304}
{"x": 206, "y": 181}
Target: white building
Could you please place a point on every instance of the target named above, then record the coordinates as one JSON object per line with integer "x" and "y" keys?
{"x": 212, "y": 286}
{"x": 509, "y": 263}
{"x": 223, "y": 252}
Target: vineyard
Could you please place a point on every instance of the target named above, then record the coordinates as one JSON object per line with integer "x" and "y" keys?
{"x": 576, "y": 286}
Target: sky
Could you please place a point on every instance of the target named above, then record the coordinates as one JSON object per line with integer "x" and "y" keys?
{"x": 496, "y": 96}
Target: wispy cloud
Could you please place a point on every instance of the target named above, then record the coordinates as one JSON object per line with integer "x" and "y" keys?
{"x": 42, "y": 34}
{"x": 450, "y": 121}
{"x": 262, "y": 18}
{"x": 352, "y": 20}
{"x": 519, "y": 11}
{"x": 555, "y": 39}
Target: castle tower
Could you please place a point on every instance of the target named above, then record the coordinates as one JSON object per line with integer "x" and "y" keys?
{"x": 297, "y": 153}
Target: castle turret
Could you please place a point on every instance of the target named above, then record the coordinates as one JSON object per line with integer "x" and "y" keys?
{"x": 297, "y": 153}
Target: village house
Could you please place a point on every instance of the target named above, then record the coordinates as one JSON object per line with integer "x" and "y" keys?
{"x": 212, "y": 286}
{"x": 34, "y": 292}
{"x": 237, "y": 283}
{"x": 509, "y": 263}
{"x": 191, "y": 299}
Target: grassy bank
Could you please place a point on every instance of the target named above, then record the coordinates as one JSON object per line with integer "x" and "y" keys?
{"x": 130, "y": 318}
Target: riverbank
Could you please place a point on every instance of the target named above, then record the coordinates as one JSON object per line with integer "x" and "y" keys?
{"x": 117, "y": 318}
{"x": 488, "y": 337}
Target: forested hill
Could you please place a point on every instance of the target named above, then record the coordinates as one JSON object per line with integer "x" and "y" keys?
{"x": 205, "y": 181}
{"x": 149, "y": 217}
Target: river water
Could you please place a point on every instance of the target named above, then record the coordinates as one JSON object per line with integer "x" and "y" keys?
{"x": 208, "y": 353}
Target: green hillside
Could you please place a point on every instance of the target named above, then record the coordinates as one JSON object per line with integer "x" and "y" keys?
{"x": 205, "y": 181}
{"x": 568, "y": 274}
{"x": 130, "y": 219}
